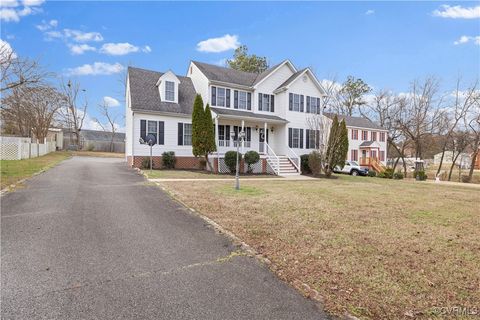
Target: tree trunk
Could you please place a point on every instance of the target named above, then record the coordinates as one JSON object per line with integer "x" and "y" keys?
{"x": 472, "y": 165}
{"x": 441, "y": 161}
{"x": 454, "y": 160}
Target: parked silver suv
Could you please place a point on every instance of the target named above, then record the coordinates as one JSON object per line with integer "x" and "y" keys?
{"x": 352, "y": 168}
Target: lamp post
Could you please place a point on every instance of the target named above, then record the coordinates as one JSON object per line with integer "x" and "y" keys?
{"x": 241, "y": 136}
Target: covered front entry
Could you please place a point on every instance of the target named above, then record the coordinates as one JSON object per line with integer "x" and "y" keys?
{"x": 261, "y": 139}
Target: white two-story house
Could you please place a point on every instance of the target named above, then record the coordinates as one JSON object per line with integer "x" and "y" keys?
{"x": 275, "y": 109}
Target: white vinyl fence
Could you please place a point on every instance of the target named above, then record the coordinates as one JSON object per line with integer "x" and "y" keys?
{"x": 17, "y": 148}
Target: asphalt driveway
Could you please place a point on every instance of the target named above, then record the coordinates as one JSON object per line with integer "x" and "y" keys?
{"x": 90, "y": 239}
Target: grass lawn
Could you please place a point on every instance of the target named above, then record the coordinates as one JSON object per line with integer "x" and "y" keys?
{"x": 194, "y": 174}
{"x": 379, "y": 249}
{"x": 15, "y": 170}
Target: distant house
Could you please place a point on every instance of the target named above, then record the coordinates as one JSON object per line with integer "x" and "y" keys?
{"x": 464, "y": 159}
{"x": 95, "y": 140}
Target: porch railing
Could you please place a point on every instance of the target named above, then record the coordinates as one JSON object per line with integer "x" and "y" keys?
{"x": 272, "y": 159}
{"x": 224, "y": 143}
{"x": 294, "y": 158}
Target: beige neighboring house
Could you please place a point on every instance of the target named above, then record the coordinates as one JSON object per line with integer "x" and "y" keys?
{"x": 464, "y": 159}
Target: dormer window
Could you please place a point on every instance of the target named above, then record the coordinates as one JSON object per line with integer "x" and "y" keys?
{"x": 169, "y": 91}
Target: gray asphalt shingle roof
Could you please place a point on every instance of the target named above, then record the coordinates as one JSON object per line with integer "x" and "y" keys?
{"x": 367, "y": 143}
{"x": 145, "y": 96}
{"x": 223, "y": 74}
{"x": 359, "y": 122}
{"x": 239, "y": 113}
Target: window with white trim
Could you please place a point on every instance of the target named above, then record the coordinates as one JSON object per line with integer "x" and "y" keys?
{"x": 152, "y": 129}
{"x": 220, "y": 97}
{"x": 295, "y": 138}
{"x": 242, "y": 100}
{"x": 169, "y": 91}
{"x": 313, "y": 105}
{"x": 187, "y": 134}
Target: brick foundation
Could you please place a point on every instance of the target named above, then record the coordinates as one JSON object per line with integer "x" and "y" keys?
{"x": 180, "y": 163}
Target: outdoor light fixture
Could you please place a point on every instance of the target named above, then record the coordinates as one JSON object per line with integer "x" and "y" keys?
{"x": 271, "y": 130}
{"x": 256, "y": 128}
{"x": 241, "y": 136}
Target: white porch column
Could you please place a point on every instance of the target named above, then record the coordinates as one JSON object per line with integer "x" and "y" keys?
{"x": 243, "y": 128}
{"x": 265, "y": 131}
{"x": 216, "y": 133}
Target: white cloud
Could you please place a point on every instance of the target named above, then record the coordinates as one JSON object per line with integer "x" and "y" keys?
{"x": 12, "y": 11}
{"x": 221, "y": 62}
{"x": 77, "y": 49}
{"x": 97, "y": 68}
{"x": 369, "y": 12}
{"x": 457, "y": 12}
{"x": 467, "y": 39}
{"x": 6, "y": 50}
{"x": 44, "y": 26}
{"x": 227, "y": 42}
{"x": 111, "y": 102}
{"x": 80, "y": 36}
{"x": 8, "y": 15}
{"x": 147, "y": 49}
{"x": 9, "y": 3}
{"x": 118, "y": 49}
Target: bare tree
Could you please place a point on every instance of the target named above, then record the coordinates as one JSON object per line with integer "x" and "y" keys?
{"x": 74, "y": 113}
{"x": 460, "y": 142}
{"x": 456, "y": 112}
{"x": 112, "y": 126}
{"x": 32, "y": 109}
{"x": 420, "y": 112}
{"x": 17, "y": 71}
{"x": 472, "y": 123}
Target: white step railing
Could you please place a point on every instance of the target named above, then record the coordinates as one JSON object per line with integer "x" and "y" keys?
{"x": 272, "y": 159}
{"x": 294, "y": 158}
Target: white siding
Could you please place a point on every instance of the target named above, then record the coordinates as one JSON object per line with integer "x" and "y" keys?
{"x": 128, "y": 121}
{"x": 171, "y": 136}
{"x": 200, "y": 81}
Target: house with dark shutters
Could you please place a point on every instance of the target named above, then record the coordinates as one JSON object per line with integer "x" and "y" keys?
{"x": 276, "y": 109}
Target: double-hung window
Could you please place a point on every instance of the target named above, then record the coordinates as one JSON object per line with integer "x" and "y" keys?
{"x": 374, "y": 136}
{"x": 364, "y": 135}
{"x": 223, "y": 135}
{"x": 312, "y": 139}
{"x": 295, "y": 138}
{"x": 313, "y": 105}
{"x": 184, "y": 134}
{"x": 354, "y": 134}
{"x": 169, "y": 91}
{"x": 156, "y": 128}
{"x": 266, "y": 102}
{"x": 220, "y": 97}
{"x": 382, "y": 136}
{"x": 295, "y": 102}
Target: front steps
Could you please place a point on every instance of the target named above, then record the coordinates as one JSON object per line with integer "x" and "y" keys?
{"x": 286, "y": 166}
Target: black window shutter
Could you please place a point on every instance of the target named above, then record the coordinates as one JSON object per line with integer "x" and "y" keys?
{"x": 249, "y": 134}
{"x": 227, "y": 132}
{"x": 143, "y": 129}
{"x": 228, "y": 98}
{"x": 290, "y": 137}
{"x": 235, "y": 99}
{"x": 301, "y": 103}
{"x": 180, "y": 134}
{"x": 318, "y": 105}
{"x": 290, "y": 101}
{"x": 272, "y": 103}
{"x": 301, "y": 138}
{"x": 308, "y": 106}
{"x": 307, "y": 134}
{"x": 161, "y": 132}
{"x": 214, "y": 96}
{"x": 260, "y": 101}
{"x": 249, "y": 101}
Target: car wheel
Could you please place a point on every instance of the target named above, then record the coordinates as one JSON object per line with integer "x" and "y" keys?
{"x": 354, "y": 173}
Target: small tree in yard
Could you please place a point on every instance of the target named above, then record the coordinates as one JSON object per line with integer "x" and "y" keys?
{"x": 337, "y": 147}
{"x": 203, "y": 136}
{"x": 231, "y": 160}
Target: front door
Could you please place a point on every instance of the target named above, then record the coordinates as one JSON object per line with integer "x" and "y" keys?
{"x": 261, "y": 140}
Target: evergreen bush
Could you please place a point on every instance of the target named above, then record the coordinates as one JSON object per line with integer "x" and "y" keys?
{"x": 315, "y": 162}
{"x": 231, "y": 160}
{"x": 168, "y": 159}
{"x": 304, "y": 164}
{"x": 251, "y": 157}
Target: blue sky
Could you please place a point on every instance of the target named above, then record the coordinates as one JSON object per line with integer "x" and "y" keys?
{"x": 386, "y": 44}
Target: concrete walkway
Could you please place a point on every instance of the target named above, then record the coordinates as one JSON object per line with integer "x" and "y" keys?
{"x": 91, "y": 239}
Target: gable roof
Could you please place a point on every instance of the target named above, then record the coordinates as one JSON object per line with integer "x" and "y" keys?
{"x": 291, "y": 79}
{"x": 229, "y": 75}
{"x": 145, "y": 96}
{"x": 296, "y": 75}
{"x": 350, "y": 121}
